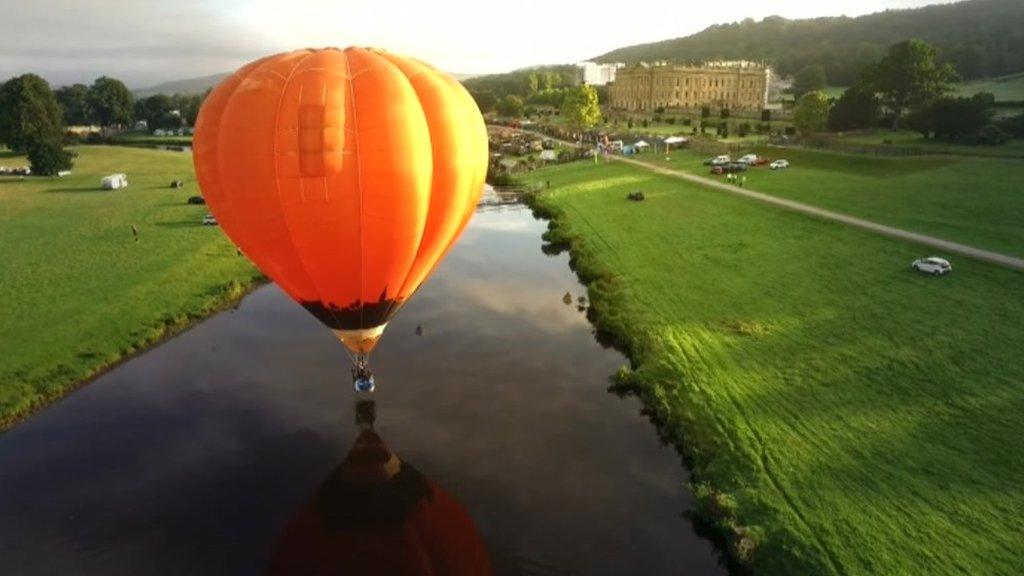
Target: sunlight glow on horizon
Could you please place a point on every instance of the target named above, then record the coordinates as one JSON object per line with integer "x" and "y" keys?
{"x": 150, "y": 42}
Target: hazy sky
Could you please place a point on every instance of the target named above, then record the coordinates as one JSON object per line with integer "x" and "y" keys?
{"x": 144, "y": 42}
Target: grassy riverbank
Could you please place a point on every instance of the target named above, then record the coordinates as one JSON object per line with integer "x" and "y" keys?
{"x": 843, "y": 414}
{"x": 975, "y": 201}
{"x": 79, "y": 293}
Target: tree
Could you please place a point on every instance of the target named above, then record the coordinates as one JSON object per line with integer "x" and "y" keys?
{"x": 111, "y": 102}
{"x": 992, "y": 135}
{"x": 808, "y": 79}
{"x": 158, "y": 111}
{"x": 188, "y": 106}
{"x": 511, "y": 106}
{"x": 29, "y": 112}
{"x": 533, "y": 83}
{"x": 580, "y": 107}
{"x": 811, "y": 113}
{"x": 1014, "y": 126}
{"x": 962, "y": 118}
{"x": 723, "y": 113}
{"x": 951, "y": 118}
{"x": 856, "y": 108}
{"x": 551, "y": 98}
{"x": 47, "y": 156}
{"x": 766, "y": 115}
{"x": 909, "y": 77}
{"x": 74, "y": 103}
{"x": 485, "y": 100}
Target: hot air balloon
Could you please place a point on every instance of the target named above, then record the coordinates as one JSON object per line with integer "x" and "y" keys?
{"x": 376, "y": 514}
{"x": 345, "y": 175}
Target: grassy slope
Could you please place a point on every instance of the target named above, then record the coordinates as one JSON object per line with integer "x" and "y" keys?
{"x": 976, "y": 201}
{"x": 910, "y": 139}
{"x": 78, "y": 292}
{"x": 863, "y": 418}
{"x": 1005, "y": 88}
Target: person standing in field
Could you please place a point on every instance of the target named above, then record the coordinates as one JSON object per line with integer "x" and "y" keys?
{"x": 743, "y": 182}
{"x": 135, "y": 233}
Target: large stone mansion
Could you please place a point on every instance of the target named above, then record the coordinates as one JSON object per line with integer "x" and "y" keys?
{"x": 733, "y": 85}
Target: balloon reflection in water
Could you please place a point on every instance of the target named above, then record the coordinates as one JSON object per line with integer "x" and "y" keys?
{"x": 376, "y": 514}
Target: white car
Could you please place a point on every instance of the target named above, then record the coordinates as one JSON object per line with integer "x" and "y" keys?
{"x": 720, "y": 160}
{"x": 749, "y": 159}
{"x": 779, "y": 165}
{"x": 932, "y": 265}
{"x": 209, "y": 220}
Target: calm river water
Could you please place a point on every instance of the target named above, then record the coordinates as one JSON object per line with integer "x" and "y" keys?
{"x": 203, "y": 455}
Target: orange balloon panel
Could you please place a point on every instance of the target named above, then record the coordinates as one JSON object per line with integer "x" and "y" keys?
{"x": 345, "y": 175}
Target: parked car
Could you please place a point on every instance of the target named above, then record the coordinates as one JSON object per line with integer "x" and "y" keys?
{"x": 932, "y": 265}
{"x": 209, "y": 220}
{"x": 748, "y": 159}
{"x": 779, "y": 165}
{"x": 196, "y": 200}
{"x": 729, "y": 168}
{"x": 717, "y": 161}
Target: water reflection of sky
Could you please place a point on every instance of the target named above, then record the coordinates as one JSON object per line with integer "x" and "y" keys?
{"x": 193, "y": 458}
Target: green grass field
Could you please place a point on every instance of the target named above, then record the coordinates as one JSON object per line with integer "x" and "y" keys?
{"x": 910, "y": 139}
{"x": 78, "y": 292}
{"x": 1005, "y": 88}
{"x": 975, "y": 201}
{"x": 847, "y": 415}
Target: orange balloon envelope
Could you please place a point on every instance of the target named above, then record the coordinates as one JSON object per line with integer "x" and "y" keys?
{"x": 345, "y": 175}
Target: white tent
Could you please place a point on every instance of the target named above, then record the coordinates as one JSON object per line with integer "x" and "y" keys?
{"x": 114, "y": 182}
{"x": 641, "y": 144}
{"x": 675, "y": 140}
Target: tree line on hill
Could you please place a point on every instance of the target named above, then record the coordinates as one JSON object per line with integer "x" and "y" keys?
{"x": 910, "y": 87}
{"x": 527, "y": 92}
{"x": 34, "y": 118}
{"x": 981, "y": 38}
{"x": 579, "y": 105}
{"x": 109, "y": 103}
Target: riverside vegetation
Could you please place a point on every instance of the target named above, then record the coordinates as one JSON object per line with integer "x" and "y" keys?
{"x": 843, "y": 415}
